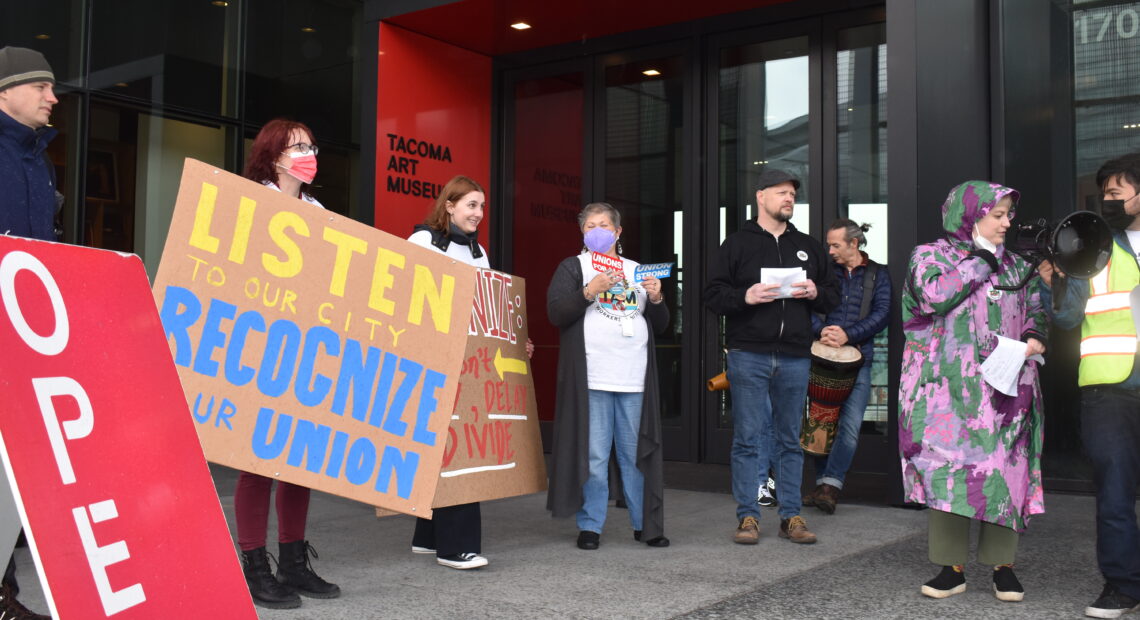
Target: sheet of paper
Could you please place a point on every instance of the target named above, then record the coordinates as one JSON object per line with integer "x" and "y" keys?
{"x": 1002, "y": 368}
{"x": 785, "y": 277}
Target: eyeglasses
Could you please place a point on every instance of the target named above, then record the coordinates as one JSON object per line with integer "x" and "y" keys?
{"x": 304, "y": 149}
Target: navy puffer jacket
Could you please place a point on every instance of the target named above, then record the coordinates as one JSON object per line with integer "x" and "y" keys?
{"x": 860, "y": 333}
{"x": 27, "y": 181}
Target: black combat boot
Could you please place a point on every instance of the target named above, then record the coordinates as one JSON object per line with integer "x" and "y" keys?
{"x": 263, "y": 587}
{"x": 10, "y": 608}
{"x": 295, "y": 571}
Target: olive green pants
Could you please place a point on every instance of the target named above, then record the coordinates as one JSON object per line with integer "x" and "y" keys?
{"x": 949, "y": 540}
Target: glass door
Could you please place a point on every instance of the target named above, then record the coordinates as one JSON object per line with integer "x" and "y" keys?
{"x": 642, "y": 166}
{"x": 762, "y": 99}
{"x": 543, "y": 165}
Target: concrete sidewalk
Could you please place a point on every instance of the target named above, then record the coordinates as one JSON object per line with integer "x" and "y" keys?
{"x": 869, "y": 563}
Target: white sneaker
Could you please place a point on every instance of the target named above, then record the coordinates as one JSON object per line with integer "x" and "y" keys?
{"x": 416, "y": 549}
{"x": 462, "y": 561}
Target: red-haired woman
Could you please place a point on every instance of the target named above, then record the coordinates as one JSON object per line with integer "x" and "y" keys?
{"x": 283, "y": 157}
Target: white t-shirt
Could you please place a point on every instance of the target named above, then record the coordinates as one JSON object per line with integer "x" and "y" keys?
{"x": 615, "y": 362}
{"x": 1134, "y": 240}
{"x": 458, "y": 251}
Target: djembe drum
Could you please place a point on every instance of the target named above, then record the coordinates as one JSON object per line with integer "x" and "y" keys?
{"x": 830, "y": 382}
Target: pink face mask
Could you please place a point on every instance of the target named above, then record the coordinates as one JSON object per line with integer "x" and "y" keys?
{"x": 304, "y": 167}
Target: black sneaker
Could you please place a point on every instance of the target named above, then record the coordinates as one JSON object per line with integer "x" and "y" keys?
{"x": 766, "y": 495}
{"x": 1111, "y": 603}
{"x": 1006, "y": 586}
{"x": 949, "y": 582}
{"x": 462, "y": 561}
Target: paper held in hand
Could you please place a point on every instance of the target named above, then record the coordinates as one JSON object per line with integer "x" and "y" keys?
{"x": 1002, "y": 368}
{"x": 785, "y": 277}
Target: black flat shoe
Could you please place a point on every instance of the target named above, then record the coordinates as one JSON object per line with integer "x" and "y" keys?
{"x": 588, "y": 540}
{"x": 659, "y": 541}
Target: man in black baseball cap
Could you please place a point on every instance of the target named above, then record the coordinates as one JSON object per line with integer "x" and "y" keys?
{"x": 772, "y": 177}
{"x": 769, "y": 334}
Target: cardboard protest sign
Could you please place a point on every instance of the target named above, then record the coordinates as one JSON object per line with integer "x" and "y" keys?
{"x": 312, "y": 348}
{"x": 98, "y": 445}
{"x": 494, "y": 447}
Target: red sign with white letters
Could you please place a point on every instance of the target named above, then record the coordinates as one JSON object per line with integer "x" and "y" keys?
{"x": 98, "y": 444}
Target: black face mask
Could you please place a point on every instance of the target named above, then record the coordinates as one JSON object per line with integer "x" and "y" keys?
{"x": 1114, "y": 215}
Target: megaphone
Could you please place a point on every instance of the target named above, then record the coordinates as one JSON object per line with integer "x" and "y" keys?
{"x": 1079, "y": 245}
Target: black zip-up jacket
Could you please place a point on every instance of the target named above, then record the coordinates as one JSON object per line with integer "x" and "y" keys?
{"x": 783, "y": 325}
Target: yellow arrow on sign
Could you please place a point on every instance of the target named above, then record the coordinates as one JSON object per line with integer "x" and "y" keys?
{"x": 508, "y": 364}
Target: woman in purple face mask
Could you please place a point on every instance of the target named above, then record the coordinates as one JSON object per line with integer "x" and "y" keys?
{"x": 607, "y": 384}
{"x": 283, "y": 157}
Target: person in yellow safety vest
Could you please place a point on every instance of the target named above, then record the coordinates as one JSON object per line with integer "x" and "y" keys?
{"x": 1109, "y": 378}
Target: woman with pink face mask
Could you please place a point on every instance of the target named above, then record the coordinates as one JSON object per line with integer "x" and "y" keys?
{"x": 283, "y": 157}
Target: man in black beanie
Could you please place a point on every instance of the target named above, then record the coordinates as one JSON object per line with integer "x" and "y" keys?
{"x": 28, "y": 200}
{"x": 27, "y": 179}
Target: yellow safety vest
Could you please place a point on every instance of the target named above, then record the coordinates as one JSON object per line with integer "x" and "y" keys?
{"x": 1108, "y": 335}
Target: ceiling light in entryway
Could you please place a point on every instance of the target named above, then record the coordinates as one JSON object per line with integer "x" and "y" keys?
{"x": 651, "y": 72}
{"x": 520, "y": 26}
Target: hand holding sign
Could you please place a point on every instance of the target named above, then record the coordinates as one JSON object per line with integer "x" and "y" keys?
{"x": 652, "y": 288}
{"x": 602, "y": 282}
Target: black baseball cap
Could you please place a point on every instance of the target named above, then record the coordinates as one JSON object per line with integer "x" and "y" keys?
{"x": 772, "y": 176}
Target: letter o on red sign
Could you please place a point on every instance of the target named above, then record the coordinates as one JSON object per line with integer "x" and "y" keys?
{"x": 12, "y": 264}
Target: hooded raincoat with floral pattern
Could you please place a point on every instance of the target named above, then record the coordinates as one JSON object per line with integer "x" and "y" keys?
{"x": 967, "y": 448}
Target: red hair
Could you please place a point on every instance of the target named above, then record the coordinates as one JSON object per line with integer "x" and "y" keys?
{"x": 271, "y": 141}
{"x": 458, "y": 187}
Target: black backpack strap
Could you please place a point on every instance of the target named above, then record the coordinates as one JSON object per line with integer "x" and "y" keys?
{"x": 870, "y": 274}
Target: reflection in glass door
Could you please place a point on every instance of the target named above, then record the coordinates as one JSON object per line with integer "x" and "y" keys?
{"x": 643, "y": 178}
{"x": 861, "y": 148}
{"x": 546, "y": 169}
{"x": 763, "y": 121}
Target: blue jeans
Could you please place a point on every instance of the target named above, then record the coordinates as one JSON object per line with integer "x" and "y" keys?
{"x": 615, "y": 418}
{"x": 832, "y": 468}
{"x": 767, "y": 466}
{"x": 1110, "y": 430}
{"x": 768, "y": 392}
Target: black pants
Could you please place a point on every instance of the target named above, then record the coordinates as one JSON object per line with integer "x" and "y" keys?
{"x": 451, "y": 530}
{"x": 1110, "y": 429}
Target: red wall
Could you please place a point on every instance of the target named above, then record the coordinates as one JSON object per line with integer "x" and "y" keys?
{"x": 438, "y": 96}
{"x": 548, "y": 196}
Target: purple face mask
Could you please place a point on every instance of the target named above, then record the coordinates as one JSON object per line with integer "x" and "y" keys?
{"x": 600, "y": 240}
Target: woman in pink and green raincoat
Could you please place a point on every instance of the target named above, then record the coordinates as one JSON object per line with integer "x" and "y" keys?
{"x": 970, "y": 452}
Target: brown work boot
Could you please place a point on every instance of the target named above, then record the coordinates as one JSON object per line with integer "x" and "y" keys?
{"x": 826, "y": 496}
{"x": 809, "y": 499}
{"x": 795, "y": 530}
{"x": 748, "y": 533}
